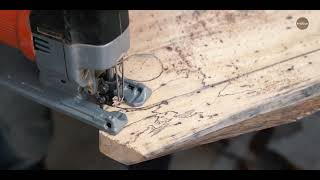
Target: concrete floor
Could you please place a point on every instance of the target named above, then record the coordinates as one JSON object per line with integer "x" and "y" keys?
{"x": 75, "y": 146}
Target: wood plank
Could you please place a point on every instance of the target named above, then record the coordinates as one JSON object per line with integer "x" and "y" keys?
{"x": 215, "y": 74}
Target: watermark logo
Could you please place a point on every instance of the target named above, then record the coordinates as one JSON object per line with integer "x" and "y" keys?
{"x": 302, "y": 23}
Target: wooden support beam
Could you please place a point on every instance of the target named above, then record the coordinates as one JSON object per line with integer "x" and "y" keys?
{"x": 214, "y": 75}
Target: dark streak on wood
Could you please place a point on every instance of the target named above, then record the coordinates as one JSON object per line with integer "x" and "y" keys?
{"x": 289, "y": 17}
{"x": 169, "y": 48}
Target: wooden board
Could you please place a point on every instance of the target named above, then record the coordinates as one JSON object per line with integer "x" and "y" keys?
{"x": 214, "y": 75}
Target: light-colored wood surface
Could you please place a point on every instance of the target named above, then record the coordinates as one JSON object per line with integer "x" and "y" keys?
{"x": 214, "y": 75}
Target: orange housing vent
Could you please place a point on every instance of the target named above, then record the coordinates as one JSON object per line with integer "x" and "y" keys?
{"x": 15, "y": 31}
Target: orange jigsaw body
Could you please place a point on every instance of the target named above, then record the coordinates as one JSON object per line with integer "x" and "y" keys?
{"x": 15, "y": 31}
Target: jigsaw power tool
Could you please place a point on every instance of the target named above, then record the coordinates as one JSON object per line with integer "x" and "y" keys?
{"x": 70, "y": 61}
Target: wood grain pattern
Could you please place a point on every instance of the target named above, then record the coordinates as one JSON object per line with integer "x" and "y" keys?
{"x": 215, "y": 74}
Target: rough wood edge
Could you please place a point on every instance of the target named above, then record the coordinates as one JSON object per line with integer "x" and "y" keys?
{"x": 308, "y": 103}
{"x": 119, "y": 152}
{"x": 284, "y": 115}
